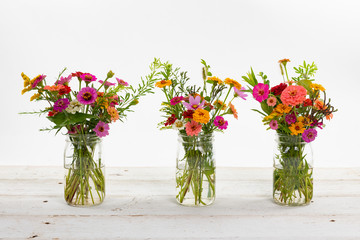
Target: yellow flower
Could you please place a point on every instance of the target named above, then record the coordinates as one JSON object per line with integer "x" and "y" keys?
{"x": 163, "y": 83}
{"x": 316, "y": 86}
{"x": 270, "y": 117}
{"x": 201, "y": 116}
{"x": 232, "y": 82}
{"x": 215, "y": 79}
{"x": 26, "y": 80}
{"x": 305, "y": 120}
{"x": 219, "y": 103}
{"x": 297, "y": 128}
{"x": 281, "y": 108}
{"x": 35, "y": 96}
{"x": 25, "y": 90}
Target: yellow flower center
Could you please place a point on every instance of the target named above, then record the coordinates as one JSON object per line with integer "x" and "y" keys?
{"x": 87, "y": 96}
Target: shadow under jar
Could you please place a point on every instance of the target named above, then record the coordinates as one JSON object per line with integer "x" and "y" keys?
{"x": 293, "y": 170}
{"x": 195, "y": 170}
{"x": 84, "y": 170}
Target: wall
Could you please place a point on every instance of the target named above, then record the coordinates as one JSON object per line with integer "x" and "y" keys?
{"x": 95, "y": 36}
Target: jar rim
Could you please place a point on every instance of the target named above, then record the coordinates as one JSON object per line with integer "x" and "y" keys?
{"x": 90, "y": 137}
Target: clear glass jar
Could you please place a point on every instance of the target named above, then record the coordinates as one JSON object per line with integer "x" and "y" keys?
{"x": 293, "y": 169}
{"x": 195, "y": 170}
{"x": 84, "y": 170}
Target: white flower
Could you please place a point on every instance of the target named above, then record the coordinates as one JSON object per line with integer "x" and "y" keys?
{"x": 178, "y": 125}
{"x": 74, "y": 107}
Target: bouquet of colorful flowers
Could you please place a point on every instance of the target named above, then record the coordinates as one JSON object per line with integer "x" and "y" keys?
{"x": 196, "y": 112}
{"x": 295, "y": 109}
{"x": 85, "y": 110}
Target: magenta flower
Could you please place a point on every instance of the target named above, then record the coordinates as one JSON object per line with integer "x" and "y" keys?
{"x": 176, "y": 100}
{"x": 87, "y": 95}
{"x": 274, "y": 125}
{"x": 316, "y": 123}
{"x": 61, "y": 104}
{"x": 108, "y": 84}
{"x": 194, "y": 103}
{"x": 64, "y": 80}
{"x": 102, "y": 129}
{"x": 87, "y": 77}
{"x": 261, "y": 92}
{"x": 290, "y": 118}
{"x": 122, "y": 82}
{"x": 220, "y": 122}
{"x": 240, "y": 93}
{"x": 38, "y": 80}
{"x": 309, "y": 135}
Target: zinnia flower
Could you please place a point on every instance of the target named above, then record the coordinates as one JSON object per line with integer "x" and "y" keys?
{"x": 64, "y": 90}
{"x": 61, "y": 104}
{"x": 293, "y": 95}
{"x": 87, "y": 95}
{"x": 107, "y": 83}
{"x": 64, "y": 80}
{"x": 193, "y": 128}
{"x": 278, "y": 89}
{"x": 102, "y": 129}
{"x": 274, "y": 125}
{"x": 319, "y": 105}
{"x": 87, "y": 77}
{"x": 37, "y": 80}
{"x": 122, "y": 82}
{"x": 233, "y": 82}
{"x": 201, "y": 116}
{"x": 178, "y": 125}
{"x": 53, "y": 88}
{"x": 281, "y": 108}
{"x": 271, "y": 101}
{"x": 220, "y": 122}
{"x": 318, "y": 87}
{"x": 77, "y": 74}
{"x": 284, "y": 61}
{"x": 290, "y": 118}
{"x": 170, "y": 120}
{"x": 163, "y": 83}
{"x": 74, "y": 107}
{"x": 215, "y": 79}
{"x": 188, "y": 114}
{"x": 297, "y": 128}
{"x": 194, "y": 103}
{"x": 307, "y": 102}
{"x": 176, "y": 100}
{"x": 261, "y": 92}
{"x": 113, "y": 113}
{"x": 309, "y": 135}
{"x": 240, "y": 93}
{"x": 233, "y": 111}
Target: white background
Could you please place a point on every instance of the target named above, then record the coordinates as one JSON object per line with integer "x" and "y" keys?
{"x": 42, "y": 37}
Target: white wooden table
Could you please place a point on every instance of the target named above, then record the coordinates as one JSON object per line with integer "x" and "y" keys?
{"x": 140, "y": 204}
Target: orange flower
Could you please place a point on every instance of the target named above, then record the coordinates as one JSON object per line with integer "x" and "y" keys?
{"x": 113, "y": 113}
{"x": 316, "y": 86}
{"x": 53, "y": 88}
{"x": 163, "y": 83}
{"x": 284, "y": 61}
{"x": 319, "y": 105}
{"x": 297, "y": 128}
{"x": 201, "y": 116}
{"x": 233, "y": 111}
{"x": 215, "y": 79}
{"x": 329, "y": 116}
{"x": 281, "y": 108}
{"x": 233, "y": 82}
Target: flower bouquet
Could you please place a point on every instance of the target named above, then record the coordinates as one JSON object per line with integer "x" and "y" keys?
{"x": 195, "y": 113}
{"x": 85, "y": 110}
{"x": 295, "y": 109}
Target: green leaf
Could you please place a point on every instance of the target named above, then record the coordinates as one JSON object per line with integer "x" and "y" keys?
{"x": 266, "y": 108}
{"x": 305, "y": 83}
{"x": 259, "y": 112}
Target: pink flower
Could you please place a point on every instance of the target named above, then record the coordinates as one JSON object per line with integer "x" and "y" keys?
{"x": 261, "y": 92}
{"x": 192, "y": 128}
{"x": 87, "y": 77}
{"x": 38, "y": 80}
{"x": 240, "y": 93}
{"x": 108, "y": 84}
{"x": 122, "y": 82}
{"x": 176, "y": 100}
{"x": 102, "y": 129}
{"x": 271, "y": 101}
{"x": 290, "y": 118}
{"x": 87, "y": 95}
{"x": 220, "y": 123}
{"x": 61, "y": 104}
{"x": 274, "y": 125}
{"x": 64, "y": 80}
{"x": 309, "y": 135}
{"x": 293, "y": 95}
{"x": 194, "y": 103}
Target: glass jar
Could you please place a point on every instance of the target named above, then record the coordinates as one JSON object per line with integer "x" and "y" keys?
{"x": 195, "y": 170}
{"x": 84, "y": 170}
{"x": 293, "y": 169}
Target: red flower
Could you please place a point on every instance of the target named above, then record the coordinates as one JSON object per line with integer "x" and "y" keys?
{"x": 170, "y": 120}
{"x": 77, "y": 74}
{"x": 278, "y": 89}
{"x": 52, "y": 113}
{"x": 64, "y": 90}
{"x": 307, "y": 102}
{"x": 188, "y": 114}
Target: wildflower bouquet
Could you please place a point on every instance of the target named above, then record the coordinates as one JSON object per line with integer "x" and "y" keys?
{"x": 295, "y": 109}
{"x": 85, "y": 111}
{"x": 195, "y": 113}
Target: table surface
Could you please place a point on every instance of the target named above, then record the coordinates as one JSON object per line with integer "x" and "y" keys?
{"x": 140, "y": 204}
